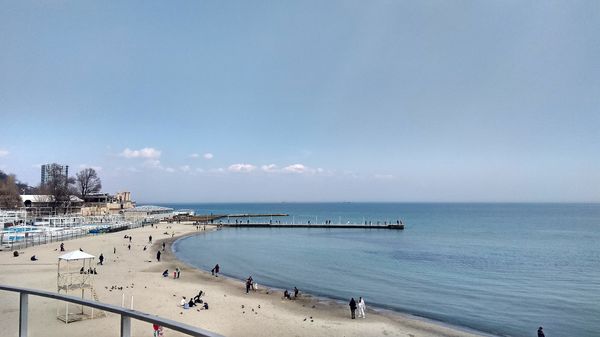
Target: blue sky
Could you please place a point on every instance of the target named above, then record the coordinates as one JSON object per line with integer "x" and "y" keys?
{"x": 307, "y": 100}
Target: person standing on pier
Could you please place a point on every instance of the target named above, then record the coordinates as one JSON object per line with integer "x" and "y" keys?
{"x": 352, "y": 307}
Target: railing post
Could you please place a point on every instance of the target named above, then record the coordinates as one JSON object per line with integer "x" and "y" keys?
{"x": 125, "y": 326}
{"x": 23, "y": 310}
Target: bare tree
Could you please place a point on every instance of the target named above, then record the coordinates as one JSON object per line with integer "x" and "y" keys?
{"x": 88, "y": 182}
{"x": 60, "y": 188}
{"x": 9, "y": 192}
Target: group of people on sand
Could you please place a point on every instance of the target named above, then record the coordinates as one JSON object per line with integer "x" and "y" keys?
{"x": 288, "y": 295}
{"x": 250, "y": 284}
{"x": 176, "y": 273}
{"x": 194, "y": 302}
{"x": 361, "y": 306}
{"x": 89, "y": 271}
{"x": 215, "y": 270}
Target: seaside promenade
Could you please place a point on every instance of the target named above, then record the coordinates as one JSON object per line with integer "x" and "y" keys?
{"x": 135, "y": 275}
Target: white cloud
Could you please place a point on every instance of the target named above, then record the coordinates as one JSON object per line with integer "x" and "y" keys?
{"x": 185, "y": 168}
{"x": 213, "y": 171}
{"x": 295, "y": 168}
{"x": 269, "y": 168}
{"x": 4, "y": 153}
{"x": 147, "y": 152}
{"x": 194, "y": 155}
{"x": 96, "y": 168}
{"x": 384, "y": 176}
{"x": 241, "y": 168}
{"x": 152, "y": 163}
{"x": 199, "y": 170}
{"x": 208, "y": 156}
{"x": 298, "y": 168}
{"x": 170, "y": 169}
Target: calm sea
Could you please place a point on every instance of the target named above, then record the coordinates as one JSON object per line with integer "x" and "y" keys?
{"x": 503, "y": 269}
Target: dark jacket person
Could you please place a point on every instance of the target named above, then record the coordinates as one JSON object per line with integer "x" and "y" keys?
{"x": 352, "y": 306}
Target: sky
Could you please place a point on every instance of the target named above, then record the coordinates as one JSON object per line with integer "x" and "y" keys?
{"x": 260, "y": 101}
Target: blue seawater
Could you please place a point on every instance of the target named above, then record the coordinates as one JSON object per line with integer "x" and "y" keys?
{"x": 503, "y": 269}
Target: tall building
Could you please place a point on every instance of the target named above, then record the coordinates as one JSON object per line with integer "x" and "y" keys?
{"x": 49, "y": 170}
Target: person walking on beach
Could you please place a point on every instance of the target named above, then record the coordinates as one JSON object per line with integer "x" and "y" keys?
{"x": 177, "y": 272}
{"x": 352, "y": 307}
{"x": 129, "y": 238}
{"x": 62, "y": 247}
{"x": 129, "y": 247}
{"x": 101, "y": 258}
{"x": 158, "y": 256}
{"x": 164, "y": 246}
{"x": 361, "y": 307}
{"x": 158, "y": 330}
{"x": 216, "y": 269}
{"x": 541, "y": 332}
{"x": 296, "y": 291}
{"x": 150, "y": 239}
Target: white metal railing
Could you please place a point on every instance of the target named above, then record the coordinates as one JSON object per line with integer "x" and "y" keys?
{"x": 126, "y": 314}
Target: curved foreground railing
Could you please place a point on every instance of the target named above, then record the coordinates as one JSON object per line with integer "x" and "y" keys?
{"x": 126, "y": 314}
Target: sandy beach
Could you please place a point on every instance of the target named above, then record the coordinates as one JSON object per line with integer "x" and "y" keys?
{"x": 137, "y": 273}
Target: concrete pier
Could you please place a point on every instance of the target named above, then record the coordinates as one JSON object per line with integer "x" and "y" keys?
{"x": 218, "y": 219}
{"x": 331, "y": 226}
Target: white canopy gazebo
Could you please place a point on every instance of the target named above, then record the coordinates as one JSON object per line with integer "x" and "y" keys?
{"x": 75, "y": 272}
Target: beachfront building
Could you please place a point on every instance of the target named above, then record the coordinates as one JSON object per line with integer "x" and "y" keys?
{"x": 10, "y": 218}
{"x": 99, "y": 204}
{"x": 148, "y": 212}
{"x": 41, "y": 204}
{"x": 50, "y": 170}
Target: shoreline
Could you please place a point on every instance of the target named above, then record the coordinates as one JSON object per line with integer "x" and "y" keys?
{"x": 134, "y": 277}
{"x": 315, "y": 299}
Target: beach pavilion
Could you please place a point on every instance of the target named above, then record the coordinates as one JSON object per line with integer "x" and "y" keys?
{"x": 75, "y": 272}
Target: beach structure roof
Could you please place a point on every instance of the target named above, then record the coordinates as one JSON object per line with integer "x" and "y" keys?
{"x": 149, "y": 208}
{"x": 45, "y": 198}
{"x": 76, "y": 255}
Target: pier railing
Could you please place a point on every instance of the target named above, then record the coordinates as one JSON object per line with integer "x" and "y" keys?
{"x": 126, "y": 314}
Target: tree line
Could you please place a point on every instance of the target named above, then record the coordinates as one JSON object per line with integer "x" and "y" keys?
{"x": 59, "y": 187}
